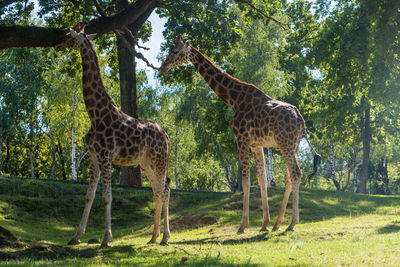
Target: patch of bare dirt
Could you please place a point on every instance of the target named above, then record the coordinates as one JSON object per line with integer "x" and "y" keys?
{"x": 192, "y": 221}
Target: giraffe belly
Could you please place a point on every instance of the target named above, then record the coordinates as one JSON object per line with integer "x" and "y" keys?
{"x": 265, "y": 141}
{"x": 122, "y": 157}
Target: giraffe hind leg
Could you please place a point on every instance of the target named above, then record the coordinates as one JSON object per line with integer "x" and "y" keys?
{"x": 166, "y": 234}
{"x": 107, "y": 200}
{"x": 282, "y": 210}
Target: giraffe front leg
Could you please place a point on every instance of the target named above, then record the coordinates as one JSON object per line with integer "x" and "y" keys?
{"x": 296, "y": 188}
{"x": 258, "y": 154}
{"x": 245, "y": 159}
{"x": 90, "y": 194}
{"x": 107, "y": 200}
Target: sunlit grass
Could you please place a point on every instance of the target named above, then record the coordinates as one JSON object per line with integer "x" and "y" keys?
{"x": 335, "y": 229}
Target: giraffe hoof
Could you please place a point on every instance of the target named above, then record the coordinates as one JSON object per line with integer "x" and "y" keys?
{"x": 151, "y": 241}
{"x": 264, "y": 229}
{"x": 164, "y": 242}
{"x": 241, "y": 230}
{"x": 104, "y": 245}
{"x": 275, "y": 229}
{"x": 74, "y": 242}
{"x": 290, "y": 229}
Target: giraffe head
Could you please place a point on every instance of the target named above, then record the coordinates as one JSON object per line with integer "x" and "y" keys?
{"x": 76, "y": 37}
{"x": 178, "y": 54}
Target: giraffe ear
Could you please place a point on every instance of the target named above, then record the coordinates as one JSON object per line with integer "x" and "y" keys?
{"x": 179, "y": 39}
{"x": 72, "y": 32}
{"x": 91, "y": 36}
{"x": 188, "y": 43}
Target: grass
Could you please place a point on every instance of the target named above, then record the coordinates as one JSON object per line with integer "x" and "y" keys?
{"x": 335, "y": 229}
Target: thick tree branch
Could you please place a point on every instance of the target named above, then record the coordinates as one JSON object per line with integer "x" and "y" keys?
{"x": 283, "y": 25}
{"x": 128, "y": 16}
{"x": 20, "y": 36}
{"x": 28, "y": 36}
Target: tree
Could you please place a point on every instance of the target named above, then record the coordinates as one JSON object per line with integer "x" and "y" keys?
{"x": 358, "y": 69}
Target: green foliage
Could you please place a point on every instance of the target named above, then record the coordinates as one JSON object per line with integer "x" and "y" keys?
{"x": 332, "y": 59}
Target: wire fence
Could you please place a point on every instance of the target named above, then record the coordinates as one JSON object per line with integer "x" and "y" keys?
{"x": 114, "y": 185}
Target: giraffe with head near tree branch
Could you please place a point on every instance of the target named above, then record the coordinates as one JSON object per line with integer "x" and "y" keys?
{"x": 114, "y": 137}
{"x": 259, "y": 122}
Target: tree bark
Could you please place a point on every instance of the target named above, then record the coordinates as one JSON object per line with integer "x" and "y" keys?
{"x": 366, "y": 139}
{"x": 61, "y": 156}
{"x": 270, "y": 177}
{"x": 239, "y": 180}
{"x": 73, "y": 156}
{"x": 128, "y": 87}
{"x": 127, "y": 74}
{"x": 355, "y": 188}
{"x": 53, "y": 158}
{"x": 73, "y": 145}
{"x": 176, "y": 156}
{"x": 31, "y": 36}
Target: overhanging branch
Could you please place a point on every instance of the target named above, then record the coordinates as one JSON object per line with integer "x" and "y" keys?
{"x": 283, "y": 25}
{"x": 29, "y": 36}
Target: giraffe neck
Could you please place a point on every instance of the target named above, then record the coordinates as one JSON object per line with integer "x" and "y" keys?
{"x": 98, "y": 103}
{"x": 226, "y": 87}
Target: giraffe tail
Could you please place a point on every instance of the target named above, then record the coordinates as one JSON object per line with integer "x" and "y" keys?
{"x": 317, "y": 157}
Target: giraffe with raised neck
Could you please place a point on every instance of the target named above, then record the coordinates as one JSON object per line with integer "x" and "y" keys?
{"x": 259, "y": 121}
{"x": 114, "y": 137}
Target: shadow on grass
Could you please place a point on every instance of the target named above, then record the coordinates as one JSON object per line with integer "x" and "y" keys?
{"x": 232, "y": 241}
{"x": 140, "y": 256}
{"x": 390, "y": 228}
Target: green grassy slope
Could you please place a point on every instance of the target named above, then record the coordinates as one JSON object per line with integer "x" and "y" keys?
{"x": 335, "y": 228}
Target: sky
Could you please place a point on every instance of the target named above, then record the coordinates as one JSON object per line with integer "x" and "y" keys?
{"x": 154, "y": 44}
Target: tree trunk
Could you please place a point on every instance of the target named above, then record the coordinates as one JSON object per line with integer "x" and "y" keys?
{"x": 366, "y": 139}
{"x": 270, "y": 177}
{"x": 382, "y": 175}
{"x": 355, "y": 170}
{"x": 239, "y": 180}
{"x": 73, "y": 156}
{"x": 31, "y": 147}
{"x": 53, "y": 159}
{"x": 1, "y": 139}
{"x": 73, "y": 145}
{"x": 31, "y": 160}
{"x": 7, "y": 158}
{"x": 127, "y": 74}
{"x": 176, "y": 156}
{"x": 61, "y": 156}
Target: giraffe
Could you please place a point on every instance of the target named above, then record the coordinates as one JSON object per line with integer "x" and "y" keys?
{"x": 115, "y": 137}
{"x": 259, "y": 121}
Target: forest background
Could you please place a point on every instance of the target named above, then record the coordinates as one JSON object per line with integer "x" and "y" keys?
{"x": 337, "y": 61}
